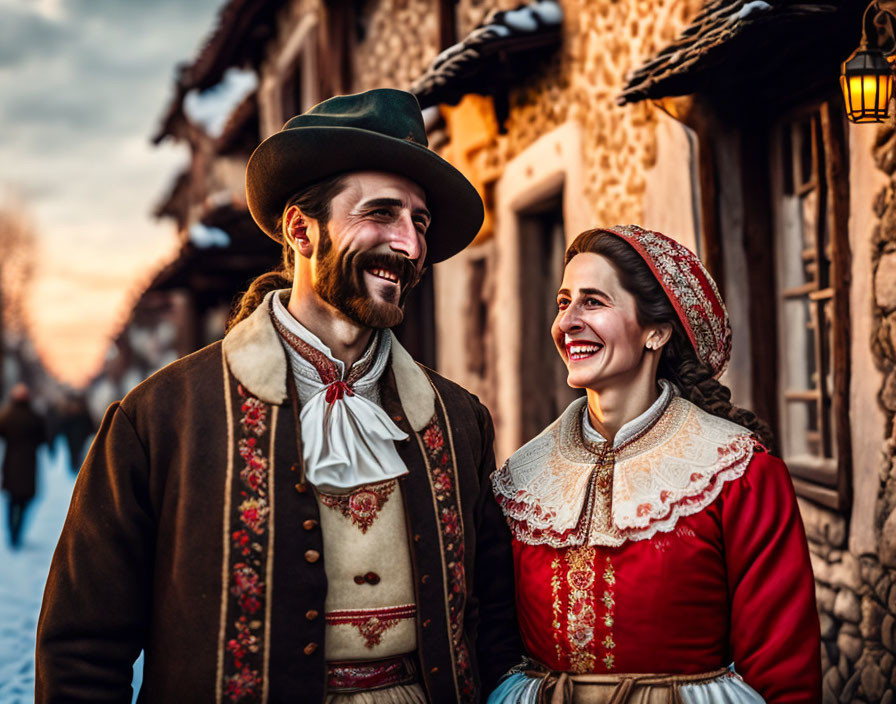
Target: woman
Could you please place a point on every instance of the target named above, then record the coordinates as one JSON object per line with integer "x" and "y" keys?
{"x": 654, "y": 534}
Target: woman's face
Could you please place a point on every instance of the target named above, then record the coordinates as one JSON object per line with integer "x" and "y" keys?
{"x": 596, "y": 330}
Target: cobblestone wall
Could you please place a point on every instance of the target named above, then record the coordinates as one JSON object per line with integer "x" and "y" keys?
{"x": 401, "y": 38}
{"x": 601, "y": 41}
{"x": 857, "y": 606}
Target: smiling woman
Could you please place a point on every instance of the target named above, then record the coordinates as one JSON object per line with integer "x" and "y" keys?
{"x": 651, "y": 524}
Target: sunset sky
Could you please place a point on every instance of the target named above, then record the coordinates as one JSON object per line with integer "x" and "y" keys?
{"x": 84, "y": 84}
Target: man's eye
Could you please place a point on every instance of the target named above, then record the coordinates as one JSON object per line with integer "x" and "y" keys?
{"x": 562, "y": 303}
{"x": 593, "y": 302}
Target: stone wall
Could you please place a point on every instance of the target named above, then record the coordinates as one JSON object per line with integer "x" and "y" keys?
{"x": 857, "y": 605}
{"x": 601, "y": 42}
{"x": 401, "y": 38}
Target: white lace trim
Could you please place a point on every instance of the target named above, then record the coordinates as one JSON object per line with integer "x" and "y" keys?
{"x": 675, "y": 468}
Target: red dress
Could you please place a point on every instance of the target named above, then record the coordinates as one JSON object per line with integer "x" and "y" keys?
{"x": 679, "y": 550}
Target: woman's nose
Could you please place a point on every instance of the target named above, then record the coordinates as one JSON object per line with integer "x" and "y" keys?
{"x": 568, "y": 320}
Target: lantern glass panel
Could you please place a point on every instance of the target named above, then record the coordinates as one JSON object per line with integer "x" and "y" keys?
{"x": 867, "y": 96}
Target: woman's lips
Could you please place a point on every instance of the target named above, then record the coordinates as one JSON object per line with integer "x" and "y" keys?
{"x": 578, "y": 350}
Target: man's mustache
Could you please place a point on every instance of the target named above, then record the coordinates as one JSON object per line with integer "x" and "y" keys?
{"x": 404, "y": 268}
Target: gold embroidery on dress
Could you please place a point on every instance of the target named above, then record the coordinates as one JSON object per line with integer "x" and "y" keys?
{"x": 610, "y": 603}
{"x": 555, "y": 601}
{"x": 581, "y": 616}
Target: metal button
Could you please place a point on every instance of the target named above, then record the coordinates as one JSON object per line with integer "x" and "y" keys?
{"x": 296, "y": 467}
{"x": 310, "y": 648}
{"x": 434, "y": 670}
{"x": 301, "y": 488}
{"x": 416, "y": 537}
{"x": 310, "y": 524}
{"x": 311, "y": 614}
{"x": 312, "y": 555}
{"x": 426, "y": 623}
{"x": 424, "y": 579}
{"x": 359, "y": 579}
{"x": 372, "y": 578}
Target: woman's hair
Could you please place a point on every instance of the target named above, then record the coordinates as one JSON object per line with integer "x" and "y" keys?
{"x": 314, "y": 202}
{"x": 678, "y": 360}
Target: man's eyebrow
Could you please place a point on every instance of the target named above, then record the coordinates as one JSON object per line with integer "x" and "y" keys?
{"x": 392, "y": 203}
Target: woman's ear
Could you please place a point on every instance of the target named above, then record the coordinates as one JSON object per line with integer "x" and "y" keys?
{"x": 658, "y": 337}
{"x": 295, "y": 231}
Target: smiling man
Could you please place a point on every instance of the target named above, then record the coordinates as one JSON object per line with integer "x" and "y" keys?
{"x": 300, "y": 512}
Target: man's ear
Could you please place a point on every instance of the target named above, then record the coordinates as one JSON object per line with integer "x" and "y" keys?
{"x": 295, "y": 231}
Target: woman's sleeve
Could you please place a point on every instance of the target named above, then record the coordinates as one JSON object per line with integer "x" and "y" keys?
{"x": 775, "y": 639}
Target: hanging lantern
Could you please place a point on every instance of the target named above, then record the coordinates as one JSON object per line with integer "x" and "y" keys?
{"x": 867, "y": 83}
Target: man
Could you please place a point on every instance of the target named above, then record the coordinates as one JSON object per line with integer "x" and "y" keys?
{"x": 299, "y": 513}
{"x": 24, "y": 430}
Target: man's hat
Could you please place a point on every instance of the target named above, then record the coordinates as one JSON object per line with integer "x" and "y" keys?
{"x": 380, "y": 130}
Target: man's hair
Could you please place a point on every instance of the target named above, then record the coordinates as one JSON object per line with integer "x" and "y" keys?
{"x": 314, "y": 202}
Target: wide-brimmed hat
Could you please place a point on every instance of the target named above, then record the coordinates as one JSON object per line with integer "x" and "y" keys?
{"x": 690, "y": 289}
{"x": 380, "y": 130}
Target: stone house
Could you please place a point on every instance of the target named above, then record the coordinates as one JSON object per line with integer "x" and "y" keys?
{"x": 718, "y": 123}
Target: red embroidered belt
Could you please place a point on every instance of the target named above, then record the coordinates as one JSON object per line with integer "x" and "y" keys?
{"x": 371, "y": 674}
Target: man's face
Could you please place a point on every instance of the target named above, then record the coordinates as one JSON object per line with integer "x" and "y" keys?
{"x": 370, "y": 254}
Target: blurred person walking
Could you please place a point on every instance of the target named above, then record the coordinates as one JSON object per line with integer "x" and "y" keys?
{"x": 24, "y": 430}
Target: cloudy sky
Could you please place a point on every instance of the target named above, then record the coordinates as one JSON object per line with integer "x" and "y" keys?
{"x": 84, "y": 84}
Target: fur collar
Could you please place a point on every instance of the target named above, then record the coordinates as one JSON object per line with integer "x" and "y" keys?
{"x": 257, "y": 359}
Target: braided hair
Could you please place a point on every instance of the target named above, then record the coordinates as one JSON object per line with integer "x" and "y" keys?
{"x": 314, "y": 202}
{"x": 678, "y": 359}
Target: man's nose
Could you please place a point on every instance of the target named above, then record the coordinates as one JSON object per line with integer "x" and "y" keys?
{"x": 404, "y": 238}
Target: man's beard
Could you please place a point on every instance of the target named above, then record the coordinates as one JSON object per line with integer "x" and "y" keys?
{"x": 340, "y": 282}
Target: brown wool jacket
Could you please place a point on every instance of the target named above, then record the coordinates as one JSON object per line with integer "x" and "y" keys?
{"x": 192, "y": 536}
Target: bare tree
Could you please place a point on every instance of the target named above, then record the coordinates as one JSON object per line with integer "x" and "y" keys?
{"x": 17, "y": 258}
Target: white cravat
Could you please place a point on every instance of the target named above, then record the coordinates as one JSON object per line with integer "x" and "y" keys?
{"x": 347, "y": 438}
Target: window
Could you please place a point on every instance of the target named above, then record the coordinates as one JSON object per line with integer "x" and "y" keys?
{"x": 811, "y": 251}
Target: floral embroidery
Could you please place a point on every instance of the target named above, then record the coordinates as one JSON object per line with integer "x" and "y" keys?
{"x": 254, "y": 514}
{"x": 254, "y": 471}
{"x": 580, "y": 617}
{"x": 363, "y": 505}
{"x": 243, "y": 665}
{"x": 583, "y": 610}
{"x": 254, "y": 416}
{"x": 555, "y": 602}
{"x": 610, "y": 604}
{"x": 372, "y": 623}
{"x": 439, "y": 455}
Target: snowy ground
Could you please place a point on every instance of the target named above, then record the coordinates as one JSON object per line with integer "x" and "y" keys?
{"x": 24, "y": 572}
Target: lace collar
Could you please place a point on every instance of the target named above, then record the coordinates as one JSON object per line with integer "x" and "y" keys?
{"x": 670, "y": 462}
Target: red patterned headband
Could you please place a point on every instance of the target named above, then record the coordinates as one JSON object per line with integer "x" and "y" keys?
{"x": 691, "y": 290}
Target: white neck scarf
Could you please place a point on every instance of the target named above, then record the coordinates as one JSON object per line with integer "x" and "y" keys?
{"x": 347, "y": 438}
